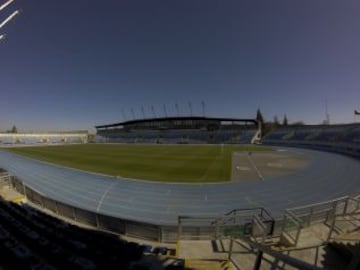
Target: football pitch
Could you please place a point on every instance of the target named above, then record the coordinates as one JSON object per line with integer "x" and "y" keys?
{"x": 165, "y": 163}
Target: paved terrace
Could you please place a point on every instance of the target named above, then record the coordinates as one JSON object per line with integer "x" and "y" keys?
{"x": 325, "y": 177}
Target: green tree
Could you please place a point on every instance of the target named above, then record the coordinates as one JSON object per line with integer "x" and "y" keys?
{"x": 14, "y": 129}
{"x": 285, "y": 121}
{"x": 259, "y": 116}
{"x": 260, "y": 120}
{"x": 276, "y": 121}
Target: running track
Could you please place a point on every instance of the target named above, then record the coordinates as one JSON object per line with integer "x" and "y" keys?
{"x": 327, "y": 176}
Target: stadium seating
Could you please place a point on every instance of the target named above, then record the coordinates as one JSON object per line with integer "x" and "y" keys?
{"x": 321, "y": 133}
{"x": 193, "y": 136}
{"x": 30, "y": 239}
{"x": 353, "y": 135}
{"x": 38, "y": 138}
{"x": 338, "y": 138}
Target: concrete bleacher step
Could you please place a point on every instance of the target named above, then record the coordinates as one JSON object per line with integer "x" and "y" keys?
{"x": 200, "y": 249}
{"x": 347, "y": 237}
{"x": 314, "y": 235}
{"x": 353, "y": 219}
{"x": 11, "y": 195}
{"x": 196, "y": 264}
{"x": 308, "y": 237}
{"x": 347, "y": 227}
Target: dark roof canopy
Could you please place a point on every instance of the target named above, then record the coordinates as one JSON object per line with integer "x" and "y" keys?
{"x": 181, "y": 118}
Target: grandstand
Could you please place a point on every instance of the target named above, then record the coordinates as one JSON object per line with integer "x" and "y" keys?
{"x": 343, "y": 138}
{"x": 31, "y": 239}
{"x": 37, "y": 138}
{"x": 181, "y": 130}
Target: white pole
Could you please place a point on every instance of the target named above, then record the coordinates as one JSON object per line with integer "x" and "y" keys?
{"x": 6, "y": 4}
{"x": 8, "y": 19}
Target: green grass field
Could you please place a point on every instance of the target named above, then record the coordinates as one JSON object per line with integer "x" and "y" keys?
{"x": 166, "y": 163}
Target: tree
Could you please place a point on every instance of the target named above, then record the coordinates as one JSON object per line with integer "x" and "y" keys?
{"x": 276, "y": 121}
{"x": 259, "y": 116}
{"x": 260, "y": 119}
{"x": 14, "y": 129}
{"x": 285, "y": 121}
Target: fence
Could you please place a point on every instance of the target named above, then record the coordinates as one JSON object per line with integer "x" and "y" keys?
{"x": 325, "y": 212}
{"x": 274, "y": 259}
{"x": 237, "y": 222}
{"x": 255, "y": 222}
{"x": 346, "y": 222}
{"x": 102, "y": 222}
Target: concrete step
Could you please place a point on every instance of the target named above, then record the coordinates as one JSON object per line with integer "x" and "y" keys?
{"x": 207, "y": 265}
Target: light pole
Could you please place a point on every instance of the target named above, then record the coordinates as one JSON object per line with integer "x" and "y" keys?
{"x": 7, "y": 19}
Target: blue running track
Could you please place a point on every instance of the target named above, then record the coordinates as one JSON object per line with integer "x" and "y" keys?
{"x": 327, "y": 176}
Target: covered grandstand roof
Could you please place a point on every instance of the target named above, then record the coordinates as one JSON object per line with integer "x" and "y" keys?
{"x": 180, "y": 118}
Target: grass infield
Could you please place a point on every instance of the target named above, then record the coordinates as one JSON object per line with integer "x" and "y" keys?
{"x": 165, "y": 163}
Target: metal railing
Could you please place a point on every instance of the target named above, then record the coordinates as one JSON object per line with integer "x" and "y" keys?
{"x": 347, "y": 221}
{"x": 279, "y": 259}
{"x": 253, "y": 222}
{"x": 291, "y": 228}
{"x": 236, "y": 223}
{"x": 326, "y": 212}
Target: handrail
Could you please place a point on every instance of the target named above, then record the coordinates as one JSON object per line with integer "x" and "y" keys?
{"x": 280, "y": 256}
{"x": 245, "y": 212}
{"x": 318, "y": 204}
{"x": 242, "y": 209}
{"x": 293, "y": 216}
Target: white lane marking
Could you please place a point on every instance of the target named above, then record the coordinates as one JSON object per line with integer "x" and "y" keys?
{"x": 104, "y": 195}
{"x": 256, "y": 168}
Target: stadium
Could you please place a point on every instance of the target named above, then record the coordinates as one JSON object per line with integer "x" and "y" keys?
{"x": 291, "y": 178}
{"x": 179, "y": 190}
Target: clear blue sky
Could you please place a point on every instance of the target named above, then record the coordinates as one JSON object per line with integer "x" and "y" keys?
{"x": 73, "y": 64}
